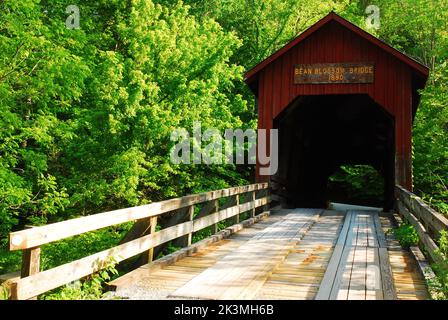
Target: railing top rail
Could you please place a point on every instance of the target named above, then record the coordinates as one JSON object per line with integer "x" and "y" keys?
{"x": 422, "y": 209}
{"x": 37, "y": 236}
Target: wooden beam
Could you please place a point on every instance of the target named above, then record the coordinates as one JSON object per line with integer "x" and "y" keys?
{"x": 221, "y": 215}
{"x": 379, "y": 231}
{"x": 38, "y": 236}
{"x": 191, "y": 213}
{"x": 168, "y": 220}
{"x": 237, "y": 202}
{"x": 30, "y": 265}
{"x": 387, "y": 279}
{"x": 215, "y": 225}
{"x": 331, "y": 277}
{"x": 47, "y": 280}
{"x": 424, "y": 269}
{"x": 425, "y": 239}
{"x": 153, "y": 226}
{"x": 253, "y": 200}
{"x": 30, "y": 262}
{"x": 9, "y": 277}
{"x": 56, "y": 277}
{"x": 434, "y": 222}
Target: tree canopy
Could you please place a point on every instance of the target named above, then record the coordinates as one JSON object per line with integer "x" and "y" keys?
{"x": 86, "y": 114}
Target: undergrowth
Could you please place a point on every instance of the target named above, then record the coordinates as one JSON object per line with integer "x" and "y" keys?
{"x": 89, "y": 288}
{"x": 439, "y": 284}
{"x": 406, "y": 235}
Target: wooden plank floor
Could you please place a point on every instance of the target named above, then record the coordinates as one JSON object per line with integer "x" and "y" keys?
{"x": 296, "y": 270}
{"x": 409, "y": 283}
{"x": 241, "y": 274}
{"x": 300, "y": 274}
{"x": 359, "y": 268}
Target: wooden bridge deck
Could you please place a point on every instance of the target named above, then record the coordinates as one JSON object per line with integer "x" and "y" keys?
{"x": 292, "y": 254}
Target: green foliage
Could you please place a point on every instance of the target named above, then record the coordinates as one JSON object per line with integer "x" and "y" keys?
{"x": 71, "y": 249}
{"x": 4, "y": 293}
{"x": 406, "y": 235}
{"x": 90, "y": 288}
{"x": 439, "y": 285}
{"x": 431, "y": 141}
{"x": 264, "y": 26}
{"x": 9, "y": 261}
{"x": 168, "y": 250}
{"x": 202, "y": 234}
{"x": 360, "y": 183}
{"x": 86, "y": 115}
{"x": 424, "y": 36}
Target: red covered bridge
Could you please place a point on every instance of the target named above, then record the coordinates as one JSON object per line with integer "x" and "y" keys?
{"x": 338, "y": 95}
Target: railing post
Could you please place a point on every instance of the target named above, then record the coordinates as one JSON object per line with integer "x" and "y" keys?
{"x": 30, "y": 266}
{"x": 152, "y": 230}
{"x": 191, "y": 213}
{"x": 237, "y": 200}
{"x": 253, "y": 201}
{"x": 215, "y": 226}
{"x": 267, "y": 206}
{"x": 30, "y": 262}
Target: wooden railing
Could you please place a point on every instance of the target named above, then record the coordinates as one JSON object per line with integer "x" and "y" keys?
{"x": 427, "y": 222}
{"x": 34, "y": 282}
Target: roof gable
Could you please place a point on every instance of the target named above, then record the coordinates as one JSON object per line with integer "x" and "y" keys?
{"x": 418, "y": 68}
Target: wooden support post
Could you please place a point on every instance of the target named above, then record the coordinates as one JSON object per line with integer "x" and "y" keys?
{"x": 253, "y": 200}
{"x": 215, "y": 226}
{"x": 153, "y": 222}
{"x": 237, "y": 217}
{"x": 30, "y": 262}
{"x": 191, "y": 213}
{"x": 267, "y": 206}
{"x": 30, "y": 266}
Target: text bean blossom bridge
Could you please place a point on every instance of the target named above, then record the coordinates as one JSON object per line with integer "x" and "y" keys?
{"x": 337, "y": 96}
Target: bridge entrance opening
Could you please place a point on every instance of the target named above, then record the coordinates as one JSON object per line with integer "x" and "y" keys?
{"x": 318, "y": 134}
{"x": 348, "y": 185}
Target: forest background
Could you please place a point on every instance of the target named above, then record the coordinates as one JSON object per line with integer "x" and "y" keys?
{"x": 86, "y": 114}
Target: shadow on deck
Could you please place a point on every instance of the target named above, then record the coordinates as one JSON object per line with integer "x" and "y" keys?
{"x": 291, "y": 254}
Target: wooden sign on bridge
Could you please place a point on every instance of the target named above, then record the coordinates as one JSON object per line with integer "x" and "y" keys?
{"x": 322, "y": 73}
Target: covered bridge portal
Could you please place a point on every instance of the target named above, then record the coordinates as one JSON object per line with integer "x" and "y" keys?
{"x": 338, "y": 96}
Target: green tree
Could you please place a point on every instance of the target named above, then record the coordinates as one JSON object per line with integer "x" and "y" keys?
{"x": 424, "y": 36}
{"x": 86, "y": 114}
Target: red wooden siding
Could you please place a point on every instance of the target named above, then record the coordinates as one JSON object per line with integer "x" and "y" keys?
{"x": 334, "y": 42}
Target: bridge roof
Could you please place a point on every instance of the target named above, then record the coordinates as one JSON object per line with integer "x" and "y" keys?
{"x": 420, "y": 70}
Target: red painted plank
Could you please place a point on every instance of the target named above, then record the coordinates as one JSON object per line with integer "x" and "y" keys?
{"x": 332, "y": 18}
{"x": 334, "y": 42}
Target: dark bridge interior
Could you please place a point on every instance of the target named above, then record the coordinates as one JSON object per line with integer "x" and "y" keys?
{"x": 319, "y": 134}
